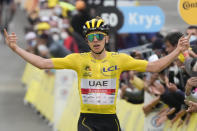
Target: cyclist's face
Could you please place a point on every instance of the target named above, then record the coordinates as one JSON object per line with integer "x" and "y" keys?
{"x": 96, "y": 41}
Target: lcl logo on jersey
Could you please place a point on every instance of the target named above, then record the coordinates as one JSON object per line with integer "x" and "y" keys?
{"x": 109, "y": 71}
{"x": 111, "y": 68}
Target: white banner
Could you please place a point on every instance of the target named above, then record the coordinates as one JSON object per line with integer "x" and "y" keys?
{"x": 64, "y": 81}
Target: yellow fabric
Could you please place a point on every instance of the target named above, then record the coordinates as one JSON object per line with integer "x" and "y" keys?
{"x": 93, "y": 22}
{"x": 52, "y": 3}
{"x": 88, "y": 24}
{"x": 43, "y": 26}
{"x": 98, "y": 80}
{"x": 66, "y": 6}
{"x": 99, "y": 23}
{"x": 137, "y": 82}
{"x": 181, "y": 56}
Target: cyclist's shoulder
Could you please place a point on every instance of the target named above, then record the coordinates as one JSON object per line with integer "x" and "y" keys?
{"x": 78, "y": 56}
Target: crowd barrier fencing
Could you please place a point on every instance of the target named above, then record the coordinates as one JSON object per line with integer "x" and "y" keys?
{"x": 61, "y": 105}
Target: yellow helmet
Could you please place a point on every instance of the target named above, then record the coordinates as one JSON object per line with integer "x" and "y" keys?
{"x": 96, "y": 24}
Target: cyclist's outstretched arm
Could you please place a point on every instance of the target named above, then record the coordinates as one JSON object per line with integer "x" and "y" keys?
{"x": 35, "y": 60}
{"x": 159, "y": 65}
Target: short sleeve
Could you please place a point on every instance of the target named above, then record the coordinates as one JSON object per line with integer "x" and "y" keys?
{"x": 68, "y": 62}
{"x": 129, "y": 63}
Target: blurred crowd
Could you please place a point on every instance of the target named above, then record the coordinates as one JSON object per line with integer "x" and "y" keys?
{"x": 174, "y": 90}
{"x": 55, "y": 30}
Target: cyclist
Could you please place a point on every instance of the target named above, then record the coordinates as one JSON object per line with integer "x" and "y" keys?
{"x": 98, "y": 73}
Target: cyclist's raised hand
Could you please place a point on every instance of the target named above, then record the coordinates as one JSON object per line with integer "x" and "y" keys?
{"x": 11, "y": 39}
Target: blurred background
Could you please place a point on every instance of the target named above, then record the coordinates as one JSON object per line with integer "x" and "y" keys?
{"x": 53, "y": 28}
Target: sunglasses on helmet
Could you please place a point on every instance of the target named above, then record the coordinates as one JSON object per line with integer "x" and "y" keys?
{"x": 99, "y": 36}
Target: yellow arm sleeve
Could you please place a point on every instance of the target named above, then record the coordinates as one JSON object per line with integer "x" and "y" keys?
{"x": 129, "y": 63}
{"x": 68, "y": 62}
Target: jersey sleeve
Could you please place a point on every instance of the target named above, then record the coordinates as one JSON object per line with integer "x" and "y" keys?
{"x": 68, "y": 62}
{"x": 129, "y": 63}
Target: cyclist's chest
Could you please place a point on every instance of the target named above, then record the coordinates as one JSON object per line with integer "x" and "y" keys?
{"x": 93, "y": 69}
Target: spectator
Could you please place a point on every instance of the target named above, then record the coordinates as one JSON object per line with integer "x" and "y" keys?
{"x": 133, "y": 91}
{"x": 174, "y": 87}
{"x": 193, "y": 31}
{"x": 80, "y": 17}
{"x": 191, "y": 86}
{"x": 193, "y": 40}
{"x": 70, "y": 43}
{"x": 30, "y": 38}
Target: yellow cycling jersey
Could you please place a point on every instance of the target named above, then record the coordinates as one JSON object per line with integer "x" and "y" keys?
{"x": 98, "y": 80}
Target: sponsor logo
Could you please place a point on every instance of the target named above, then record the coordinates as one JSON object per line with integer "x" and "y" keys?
{"x": 98, "y": 83}
{"x": 98, "y": 91}
{"x": 154, "y": 121}
{"x": 87, "y": 71}
{"x": 142, "y": 19}
{"x": 109, "y": 71}
{"x": 188, "y": 5}
{"x": 111, "y": 68}
{"x": 187, "y": 10}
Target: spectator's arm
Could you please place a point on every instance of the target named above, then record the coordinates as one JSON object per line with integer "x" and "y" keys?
{"x": 191, "y": 82}
{"x": 192, "y": 53}
{"x": 172, "y": 87}
{"x": 159, "y": 65}
{"x": 192, "y": 106}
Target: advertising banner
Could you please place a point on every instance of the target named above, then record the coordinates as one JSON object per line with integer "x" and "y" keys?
{"x": 142, "y": 19}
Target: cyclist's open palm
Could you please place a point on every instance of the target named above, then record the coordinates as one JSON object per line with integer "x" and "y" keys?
{"x": 11, "y": 39}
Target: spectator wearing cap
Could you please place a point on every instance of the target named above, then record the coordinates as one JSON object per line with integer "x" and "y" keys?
{"x": 30, "y": 38}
